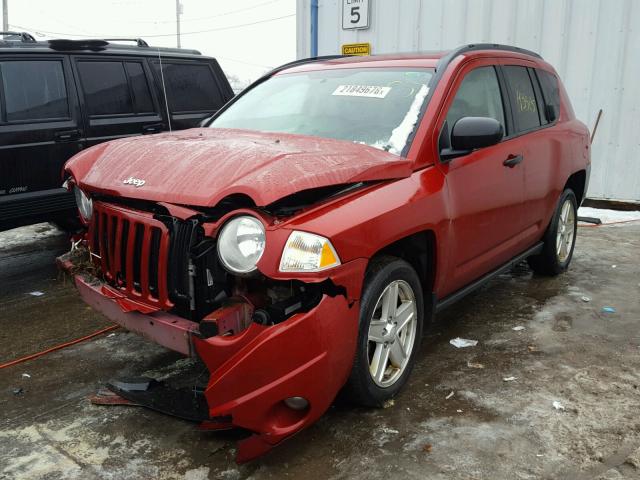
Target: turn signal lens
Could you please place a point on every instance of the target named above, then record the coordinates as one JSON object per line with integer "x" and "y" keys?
{"x": 307, "y": 252}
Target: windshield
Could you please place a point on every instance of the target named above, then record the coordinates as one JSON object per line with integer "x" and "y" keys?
{"x": 376, "y": 107}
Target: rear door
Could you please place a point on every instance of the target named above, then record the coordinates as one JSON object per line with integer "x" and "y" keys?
{"x": 540, "y": 147}
{"x": 485, "y": 196}
{"x": 117, "y": 97}
{"x": 193, "y": 89}
{"x": 40, "y": 127}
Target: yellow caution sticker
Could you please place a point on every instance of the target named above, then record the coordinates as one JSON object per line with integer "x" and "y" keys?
{"x": 356, "y": 49}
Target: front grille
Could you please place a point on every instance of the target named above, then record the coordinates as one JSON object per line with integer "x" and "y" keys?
{"x": 132, "y": 248}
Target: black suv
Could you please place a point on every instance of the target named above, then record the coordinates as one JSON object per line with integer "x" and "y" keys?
{"x": 61, "y": 96}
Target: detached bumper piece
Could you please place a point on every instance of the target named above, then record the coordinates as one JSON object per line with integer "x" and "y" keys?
{"x": 187, "y": 403}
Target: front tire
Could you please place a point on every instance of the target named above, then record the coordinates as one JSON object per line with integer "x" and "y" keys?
{"x": 559, "y": 239}
{"x": 391, "y": 321}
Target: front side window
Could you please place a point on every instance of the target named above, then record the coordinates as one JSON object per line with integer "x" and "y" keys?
{"x": 34, "y": 90}
{"x": 377, "y": 107}
{"x": 477, "y": 96}
{"x": 523, "y": 98}
{"x": 105, "y": 86}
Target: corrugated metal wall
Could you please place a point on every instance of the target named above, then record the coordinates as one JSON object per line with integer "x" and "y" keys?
{"x": 594, "y": 45}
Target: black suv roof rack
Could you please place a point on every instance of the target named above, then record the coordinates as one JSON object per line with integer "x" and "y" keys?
{"x": 448, "y": 58}
{"x": 23, "y": 36}
{"x": 92, "y": 43}
{"x": 138, "y": 41}
{"x": 25, "y": 40}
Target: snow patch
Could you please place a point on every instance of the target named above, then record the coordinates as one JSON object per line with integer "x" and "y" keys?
{"x": 201, "y": 473}
{"x": 25, "y": 235}
{"x": 401, "y": 133}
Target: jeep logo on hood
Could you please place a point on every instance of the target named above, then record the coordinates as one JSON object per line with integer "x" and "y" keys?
{"x": 138, "y": 182}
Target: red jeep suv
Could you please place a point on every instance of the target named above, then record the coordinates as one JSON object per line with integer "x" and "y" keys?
{"x": 299, "y": 242}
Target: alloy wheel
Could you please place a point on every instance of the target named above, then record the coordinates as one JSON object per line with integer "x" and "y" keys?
{"x": 566, "y": 231}
{"x": 392, "y": 333}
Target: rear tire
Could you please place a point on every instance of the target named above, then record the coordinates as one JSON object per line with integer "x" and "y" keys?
{"x": 390, "y": 332}
{"x": 559, "y": 239}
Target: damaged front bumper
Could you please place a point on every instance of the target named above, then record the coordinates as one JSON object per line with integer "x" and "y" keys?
{"x": 254, "y": 372}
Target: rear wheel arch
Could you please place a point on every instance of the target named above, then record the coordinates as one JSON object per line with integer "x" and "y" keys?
{"x": 577, "y": 182}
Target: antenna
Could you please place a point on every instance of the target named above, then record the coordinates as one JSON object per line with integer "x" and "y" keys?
{"x": 164, "y": 91}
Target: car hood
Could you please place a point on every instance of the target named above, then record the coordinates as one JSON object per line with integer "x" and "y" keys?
{"x": 201, "y": 166}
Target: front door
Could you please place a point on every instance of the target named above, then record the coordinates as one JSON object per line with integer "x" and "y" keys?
{"x": 485, "y": 196}
{"x": 40, "y": 127}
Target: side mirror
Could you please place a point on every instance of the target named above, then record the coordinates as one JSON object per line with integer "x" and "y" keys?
{"x": 470, "y": 133}
{"x": 551, "y": 113}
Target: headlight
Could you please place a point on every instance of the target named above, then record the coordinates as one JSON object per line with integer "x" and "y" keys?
{"x": 306, "y": 252}
{"x": 85, "y": 204}
{"x": 241, "y": 244}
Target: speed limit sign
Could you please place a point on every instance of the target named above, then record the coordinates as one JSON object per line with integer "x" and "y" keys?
{"x": 355, "y": 14}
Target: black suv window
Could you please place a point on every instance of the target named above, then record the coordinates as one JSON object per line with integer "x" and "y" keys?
{"x": 190, "y": 87}
{"x": 140, "y": 87}
{"x": 478, "y": 96}
{"x": 551, "y": 94}
{"x": 523, "y": 98}
{"x": 115, "y": 87}
{"x": 34, "y": 90}
{"x": 105, "y": 86}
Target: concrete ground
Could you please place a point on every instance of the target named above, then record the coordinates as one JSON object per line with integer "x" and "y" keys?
{"x": 458, "y": 418}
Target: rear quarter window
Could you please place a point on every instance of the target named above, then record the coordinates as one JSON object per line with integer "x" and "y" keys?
{"x": 550, "y": 93}
{"x": 34, "y": 90}
{"x": 190, "y": 87}
{"x": 523, "y": 98}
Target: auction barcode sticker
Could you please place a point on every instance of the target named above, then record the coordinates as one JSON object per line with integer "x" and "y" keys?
{"x": 362, "y": 91}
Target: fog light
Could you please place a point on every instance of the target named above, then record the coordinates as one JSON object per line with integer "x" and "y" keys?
{"x": 296, "y": 403}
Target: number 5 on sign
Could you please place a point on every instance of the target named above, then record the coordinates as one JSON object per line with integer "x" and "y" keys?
{"x": 355, "y": 14}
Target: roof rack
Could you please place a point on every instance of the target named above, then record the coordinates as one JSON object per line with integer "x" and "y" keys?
{"x": 138, "y": 41}
{"x": 23, "y": 36}
{"x": 448, "y": 58}
{"x": 91, "y": 44}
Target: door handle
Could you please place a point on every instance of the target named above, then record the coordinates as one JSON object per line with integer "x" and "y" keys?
{"x": 513, "y": 160}
{"x": 152, "y": 128}
{"x": 67, "y": 135}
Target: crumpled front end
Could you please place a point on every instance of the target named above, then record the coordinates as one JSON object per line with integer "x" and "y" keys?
{"x": 278, "y": 348}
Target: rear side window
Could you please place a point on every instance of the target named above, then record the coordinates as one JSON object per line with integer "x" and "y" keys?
{"x": 551, "y": 94}
{"x": 106, "y": 89}
{"x": 190, "y": 87}
{"x": 34, "y": 90}
{"x": 115, "y": 88}
{"x": 523, "y": 98}
{"x": 478, "y": 96}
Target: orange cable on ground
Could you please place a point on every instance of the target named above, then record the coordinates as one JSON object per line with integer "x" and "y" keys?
{"x": 611, "y": 223}
{"x": 58, "y": 347}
